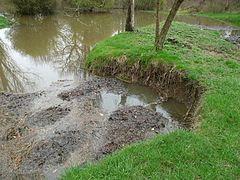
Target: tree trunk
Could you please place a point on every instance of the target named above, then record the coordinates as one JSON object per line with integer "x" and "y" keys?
{"x": 227, "y": 5}
{"x": 200, "y": 6}
{"x": 157, "y": 24}
{"x": 168, "y": 22}
{"x": 130, "y": 16}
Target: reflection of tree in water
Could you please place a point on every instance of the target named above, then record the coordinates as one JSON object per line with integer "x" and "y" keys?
{"x": 134, "y": 96}
{"x": 65, "y": 41}
{"x": 68, "y": 50}
{"x": 33, "y": 36}
{"x": 77, "y": 35}
{"x": 12, "y": 79}
{"x": 123, "y": 100}
{"x": 61, "y": 40}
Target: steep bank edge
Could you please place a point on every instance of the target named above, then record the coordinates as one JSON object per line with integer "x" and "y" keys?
{"x": 166, "y": 79}
{"x": 212, "y": 150}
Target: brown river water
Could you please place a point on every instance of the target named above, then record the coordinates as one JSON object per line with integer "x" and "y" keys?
{"x": 46, "y": 49}
{"x": 60, "y": 115}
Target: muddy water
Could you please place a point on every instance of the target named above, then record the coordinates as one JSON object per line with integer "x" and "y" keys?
{"x": 73, "y": 116}
{"x": 52, "y": 48}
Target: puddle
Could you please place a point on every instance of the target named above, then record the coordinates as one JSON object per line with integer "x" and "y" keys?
{"x": 137, "y": 95}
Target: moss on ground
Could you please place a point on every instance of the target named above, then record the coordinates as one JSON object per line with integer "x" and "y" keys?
{"x": 4, "y": 22}
{"x": 212, "y": 151}
{"x": 231, "y": 17}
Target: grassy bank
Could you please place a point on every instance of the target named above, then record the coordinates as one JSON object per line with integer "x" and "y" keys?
{"x": 4, "y": 22}
{"x": 233, "y": 18}
{"x": 211, "y": 151}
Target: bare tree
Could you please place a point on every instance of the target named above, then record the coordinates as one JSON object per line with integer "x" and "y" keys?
{"x": 12, "y": 78}
{"x": 227, "y": 5}
{"x": 167, "y": 24}
{"x": 200, "y": 5}
{"x": 130, "y": 16}
{"x": 157, "y": 23}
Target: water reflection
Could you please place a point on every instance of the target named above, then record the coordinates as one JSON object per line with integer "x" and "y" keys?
{"x": 140, "y": 96}
{"x": 55, "y": 47}
{"x": 33, "y": 36}
{"x": 62, "y": 41}
{"x": 76, "y": 37}
{"x": 12, "y": 79}
{"x": 202, "y": 21}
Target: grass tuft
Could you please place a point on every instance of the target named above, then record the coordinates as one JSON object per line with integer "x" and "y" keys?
{"x": 4, "y": 22}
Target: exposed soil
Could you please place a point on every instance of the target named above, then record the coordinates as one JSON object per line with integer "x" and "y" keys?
{"x": 234, "y": 40}
{"x": 232, "y": 36}
{"x": 43, "y": 133}
{"x": 132, "y": 124}
{"x": 53, "y": 151}
{"x": 16, "y": 103}
{"x": 166, "y": 79}
{"x": 48, "y": 116}
{"x": 91, "y": 86}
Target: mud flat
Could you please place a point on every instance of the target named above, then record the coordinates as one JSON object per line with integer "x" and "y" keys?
{"x": 45, "y": 132}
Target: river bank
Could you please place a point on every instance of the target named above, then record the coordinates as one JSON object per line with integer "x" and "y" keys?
{"x": 211, "y": 150}
{"x": 69, "y": 123}
{"x": 63, "y": 123}
{"x": 231, "y": 17}
{"x": 66, "y": 125}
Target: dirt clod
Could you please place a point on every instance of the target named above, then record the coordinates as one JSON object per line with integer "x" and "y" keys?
{"x": 53, "y": 151}
{"x": 92, "y": 86}
{"x": 132, "y": 124}
{"x": 48, "y": 116}
{"x": 14, "y": 132}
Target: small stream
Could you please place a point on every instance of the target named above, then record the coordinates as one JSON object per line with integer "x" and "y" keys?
{"x": 61, "y": 114}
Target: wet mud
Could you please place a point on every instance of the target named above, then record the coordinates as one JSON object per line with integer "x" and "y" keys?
{"x": 234, "y": 39}
{"x": 93, "y": 85}
{"x": 48, "y": 116}
{"x": 131, "y": 124}
{"x": 43, "y": 133}
{"x": 232, "y": 36}
{"x": 53, "y": 151}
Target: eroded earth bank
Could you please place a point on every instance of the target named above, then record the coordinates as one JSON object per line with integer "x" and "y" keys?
{"x": 44, "y": 132}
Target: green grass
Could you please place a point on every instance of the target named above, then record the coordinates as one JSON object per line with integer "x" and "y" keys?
{"x": 212, "y": 151}
{"x": 4, "y": 22}
{"x": 231, "y": 17}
